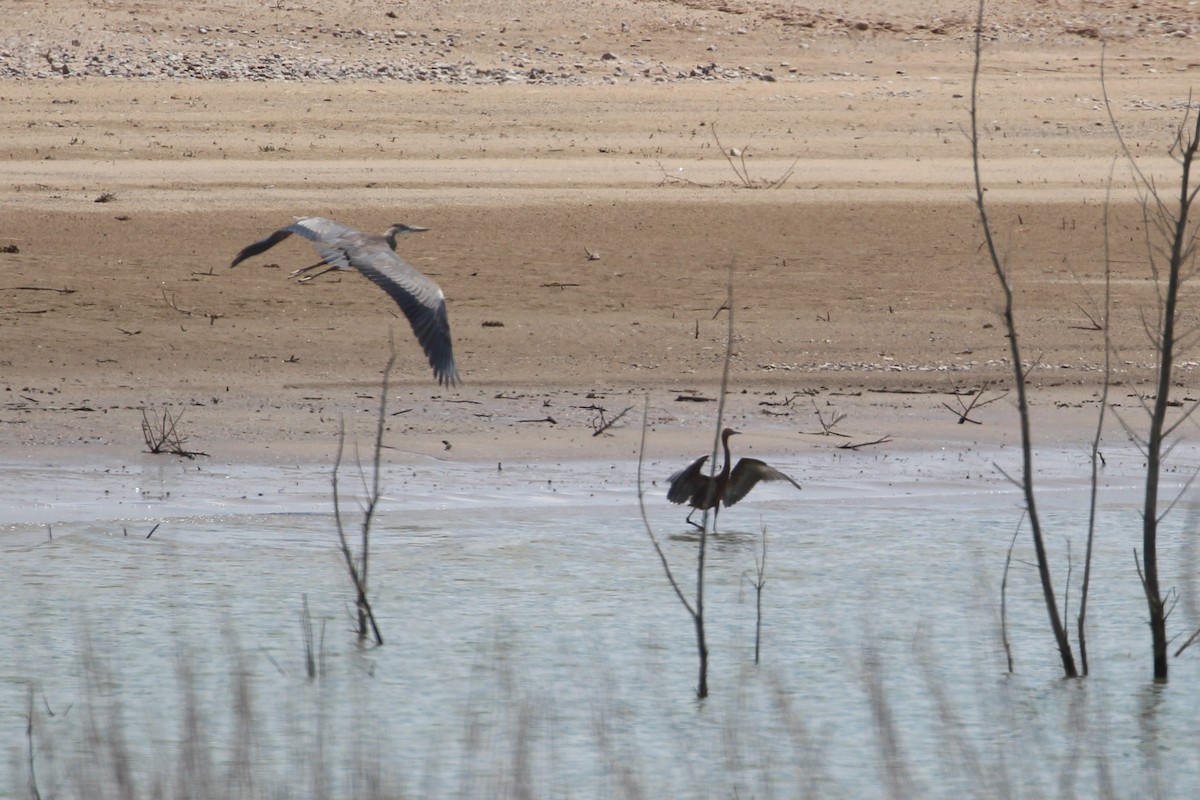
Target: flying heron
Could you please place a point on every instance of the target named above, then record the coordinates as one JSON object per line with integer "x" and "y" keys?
{"x": 421, "y": 300}
{"x": 703, "y": 492}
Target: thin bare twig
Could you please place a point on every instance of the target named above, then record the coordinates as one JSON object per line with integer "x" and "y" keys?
{"x": 360, "y": 589}
{"x": 641, "y": 494}
{"x": 1004, "y": 597}
{"x": 760, "y": 563}
{"x": 1096, "y": 458}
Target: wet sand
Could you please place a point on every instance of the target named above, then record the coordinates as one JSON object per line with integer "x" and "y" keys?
{"x": 859, "y": 285}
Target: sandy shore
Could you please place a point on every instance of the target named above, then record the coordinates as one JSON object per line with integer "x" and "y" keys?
{"x": 860, "y": 289}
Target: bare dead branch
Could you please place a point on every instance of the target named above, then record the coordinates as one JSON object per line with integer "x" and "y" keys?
{"x": 859, "y": 445}
{"x": 827, "y": 427}
{"x": 743, "y": 172}
{"x": 1094, "y": 326}
{"x": 63, "y": 290}
{"x": 786, "y": 401}
{"x": 169, "y": 298}
{"x": 1010, "y": 478}
{"x": 602, "y": 425}
{"x": 1183, "y": 492}
{"x": 964, "y": 410}
{"x": 1188, "y": 642}
{"x": 163, "y": 436}
{"x": 668, "y": 178}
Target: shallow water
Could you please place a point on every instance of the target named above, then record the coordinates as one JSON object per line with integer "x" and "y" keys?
{"x": 533, "y": 640}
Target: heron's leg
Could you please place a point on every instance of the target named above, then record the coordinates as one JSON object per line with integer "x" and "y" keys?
{"x": 298, "y": 272}
{"x": 308, "y": 278}
{"x": 689, "y": 519}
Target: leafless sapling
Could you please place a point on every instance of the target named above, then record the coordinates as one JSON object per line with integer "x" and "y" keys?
{"x": 358, "y": 566}
{"x": 696, "y": 608}
{"x": 1102, "y": 319}
{"x": 1025, "y": 481}
{"x": 1170, "y": 237}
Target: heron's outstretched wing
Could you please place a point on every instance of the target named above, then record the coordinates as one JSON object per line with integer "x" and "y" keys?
{"x": 687, "y": 481}
{"x": 421, "y": 300}
{"x": 261, "y": 246}
{"x": 325, "y": 234}
{"x": 747, "y": 473}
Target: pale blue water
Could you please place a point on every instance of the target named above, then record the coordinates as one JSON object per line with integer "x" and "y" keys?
{"x": 532, "y": 639}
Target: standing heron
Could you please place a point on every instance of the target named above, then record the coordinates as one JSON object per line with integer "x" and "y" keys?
{"x": 703, "y": 492}
{"x": 421, "y": 300}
